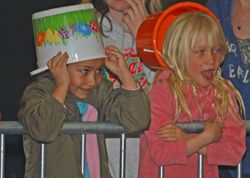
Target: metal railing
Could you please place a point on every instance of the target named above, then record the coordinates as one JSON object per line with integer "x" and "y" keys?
{"x": 15, "y": 128}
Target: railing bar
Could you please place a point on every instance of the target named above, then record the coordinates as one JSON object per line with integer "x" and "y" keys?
{"x": 83, "y": 146}
{"x": 200, "y": 165}
{"x": 42, "y": 161}
{"x": 161, "y": 172}
{"x": 122, "y": 155}
{"x": 194, "y": 127}
{"x": 16, "y": 128}
{"x": 2, "y": 155}
{"x": 239, "y": 173}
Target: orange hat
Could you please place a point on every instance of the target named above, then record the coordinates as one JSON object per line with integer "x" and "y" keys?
{"x": 151, "y": 33}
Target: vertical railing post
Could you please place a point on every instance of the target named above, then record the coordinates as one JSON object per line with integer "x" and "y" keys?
{"x": 122, "y": 155}
{"x": 161, "y": 172}
{"x": 2, "y": 155}
{"x": 200, "y": 166}
{"x": 42, "y": 175}
{"x": 239, "y": 173}
{"x": 83, "y": 146}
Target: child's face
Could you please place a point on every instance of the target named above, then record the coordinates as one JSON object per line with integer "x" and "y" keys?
{"x": 85, "y": 76}
{"x": 117, "y": 5}
{"x": 204, "y": 63}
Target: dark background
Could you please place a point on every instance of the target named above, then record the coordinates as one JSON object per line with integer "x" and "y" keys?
{"x": 17, "y": 59}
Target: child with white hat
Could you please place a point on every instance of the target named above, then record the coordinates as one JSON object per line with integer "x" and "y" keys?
{"x": 73, "y": 88}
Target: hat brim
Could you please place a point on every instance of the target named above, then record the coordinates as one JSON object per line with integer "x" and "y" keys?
{"x": 37, "y": 71}
{"x": 42, "y": 69}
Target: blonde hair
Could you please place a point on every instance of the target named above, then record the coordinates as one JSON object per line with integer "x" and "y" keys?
{"x": 180, "y": 39}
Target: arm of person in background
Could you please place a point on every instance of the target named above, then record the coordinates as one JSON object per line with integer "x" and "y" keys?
{"x": 134, "y": 16}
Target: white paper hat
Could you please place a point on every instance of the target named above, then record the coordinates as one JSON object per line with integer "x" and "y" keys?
{"x": 73, "y": 29}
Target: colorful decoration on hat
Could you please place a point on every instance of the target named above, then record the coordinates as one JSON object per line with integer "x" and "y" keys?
{"x": 78, "y": 24}
{"x": 72, "y": 29}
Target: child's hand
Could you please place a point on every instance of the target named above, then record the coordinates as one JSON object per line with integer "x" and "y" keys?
{"x": 134, "y": 16}
{"x": 58, "y": 68}
{"x": 172, "y": 132}
{"x": 115, "y": 62}
{"x": 213, "y": 130}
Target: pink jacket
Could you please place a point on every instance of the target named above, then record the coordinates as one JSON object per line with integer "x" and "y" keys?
{"x": 155, "y": 152}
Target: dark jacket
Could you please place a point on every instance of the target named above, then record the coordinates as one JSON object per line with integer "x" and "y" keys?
{"x": 43, "y": 117}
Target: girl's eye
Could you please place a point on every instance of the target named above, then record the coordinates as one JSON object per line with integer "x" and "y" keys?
{"x": 217, "y": 51}
{"x": 85, "y": 71}
{"x": 199, "y": 52}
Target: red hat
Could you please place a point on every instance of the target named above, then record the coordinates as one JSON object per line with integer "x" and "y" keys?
{"x": 151, "y": 33}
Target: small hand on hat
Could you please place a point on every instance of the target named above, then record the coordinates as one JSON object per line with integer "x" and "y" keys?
{"x": 115, "y": 62}
{"x": 58, "y": 68}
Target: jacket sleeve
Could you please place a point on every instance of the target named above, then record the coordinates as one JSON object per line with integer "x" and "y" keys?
{"x": 41, "y": 115}
{"x": 232, "y": 145}
{"x": 162, "y": 112}
{"x": 130, "y": 109}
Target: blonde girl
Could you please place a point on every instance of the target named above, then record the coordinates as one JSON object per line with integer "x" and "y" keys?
{"x": 192, "y": 89}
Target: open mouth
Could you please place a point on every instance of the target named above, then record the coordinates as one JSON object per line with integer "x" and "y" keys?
{"x": 208, "y": 74}
{"x": 85, "y": 90}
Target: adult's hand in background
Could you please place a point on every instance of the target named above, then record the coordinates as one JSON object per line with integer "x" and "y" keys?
{"x": 134, "y": 16}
